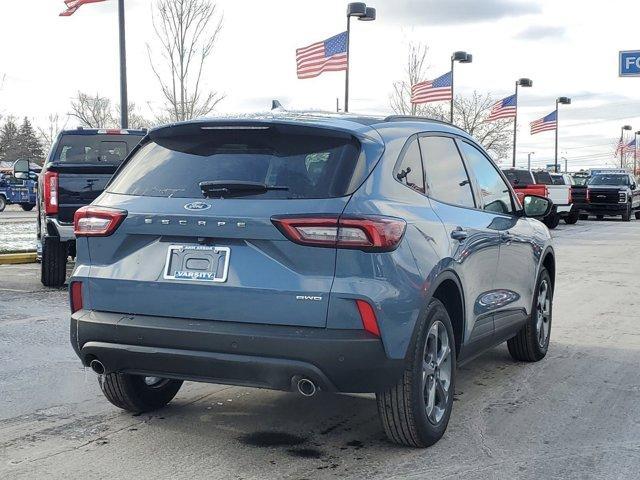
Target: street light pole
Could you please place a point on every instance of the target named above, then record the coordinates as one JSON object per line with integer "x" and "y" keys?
{"x": 124, "y": 102}
{"x": 363, "y": 13}
{"x": 462, "y": 57}
{"x": 635, "y": 153}
{"x": 525, "y": 82}
{"x": 563, "y": 101}
{"x": 529, "y": 160}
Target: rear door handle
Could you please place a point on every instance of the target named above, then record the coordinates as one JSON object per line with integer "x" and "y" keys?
{"x": 459, "y": 234}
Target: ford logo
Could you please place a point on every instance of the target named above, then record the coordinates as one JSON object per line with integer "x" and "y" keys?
{"x": 197, "y": 206}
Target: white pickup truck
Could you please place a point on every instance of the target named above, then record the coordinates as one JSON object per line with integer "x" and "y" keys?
{"x": 560, "y": 195}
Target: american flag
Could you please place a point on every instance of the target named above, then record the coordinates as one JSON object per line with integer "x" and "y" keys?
{"x": 329, "y": 55}
{"x": 505, "y": 108}
{"x": 433, "y": 90}
{"x": 550, "y": 122}
{"x": 73, "y": 5}
{"x": 626, "y": 148}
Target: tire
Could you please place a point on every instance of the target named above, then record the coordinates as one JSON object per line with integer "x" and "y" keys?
{"x": 572, "y": 218}
{"x": 529, "y": 345}
{"x": 3, "y": 203}
{"x": 403, "y": 408}
{"x": 27, "y": 207}
{"x": 626, "y": 216}
{"x": 53, "y": 268}
{"x": 133, "y": 394}
{"x": 552, "y": 221}
{"x": 637, "y": 214}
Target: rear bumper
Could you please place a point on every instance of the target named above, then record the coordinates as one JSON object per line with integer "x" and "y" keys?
{"x": 64, "y": 231}
{"x": 264, "y": 356}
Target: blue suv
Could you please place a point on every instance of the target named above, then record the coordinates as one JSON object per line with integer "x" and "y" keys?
{"x": 307, "y": 252}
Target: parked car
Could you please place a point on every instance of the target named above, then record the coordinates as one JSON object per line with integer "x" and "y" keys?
{"x": 16, "y": 191}
{"x": 579, "y": 193}
{"x": 80, "y": 164}
{"x": 306, "y": 252}
{"x": 524, "y": 183}
{"x": 613, "y": 192}
{"x": 560, "y": 195}
{"x": 565, "y": 179}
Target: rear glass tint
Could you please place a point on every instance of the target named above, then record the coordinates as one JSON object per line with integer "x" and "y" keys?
{"x": 95, "y": 149}
{"x": 543, "y": 178}
{"x": 519, "y": 177}
{"x": 300, "y": 162}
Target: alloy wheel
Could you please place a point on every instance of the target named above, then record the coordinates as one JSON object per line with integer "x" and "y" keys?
{"x": 543, "y": 314}
{"x": 436, "y": 372}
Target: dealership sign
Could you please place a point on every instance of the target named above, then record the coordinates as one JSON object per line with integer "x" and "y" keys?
{"x": 629, "y": 63}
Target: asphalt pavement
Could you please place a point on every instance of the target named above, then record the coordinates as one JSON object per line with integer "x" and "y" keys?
{"x": 573, "y": 415}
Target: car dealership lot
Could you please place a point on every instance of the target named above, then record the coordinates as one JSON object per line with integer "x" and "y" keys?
{"x": 573, "y": 415}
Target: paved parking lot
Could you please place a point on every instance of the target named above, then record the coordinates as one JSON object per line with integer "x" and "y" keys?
{"x": 573, "y": 415}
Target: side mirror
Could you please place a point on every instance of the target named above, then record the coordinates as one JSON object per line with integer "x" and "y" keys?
{"x": 21, "y": 169}
{"x": 633, "y": 186}
{"x": 536, "y": 207}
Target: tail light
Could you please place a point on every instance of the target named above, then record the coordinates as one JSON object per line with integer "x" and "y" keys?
{"x": 570, "y": 196}
{"x": 588, "y": 196}
{"x": 51, "y": 193}
{"x": 371, "y": 234}
{"x": 368, "y": 316}
{"x": 93, "y": 221}
{"x": 76, "y": 296}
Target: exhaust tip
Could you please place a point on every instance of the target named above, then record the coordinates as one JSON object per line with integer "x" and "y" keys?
{"x": 97, "y": 366}
{"x": 306, "y": 387}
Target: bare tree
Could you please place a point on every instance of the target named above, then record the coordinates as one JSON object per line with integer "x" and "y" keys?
{"x": 415, "y": 71}
{"x": 187, "y": 31}
{"x": 93, "y": 112}
{"x": 470, "y": 113}
{"x": 50, "y": 131}
{"x": 136, "y": 119}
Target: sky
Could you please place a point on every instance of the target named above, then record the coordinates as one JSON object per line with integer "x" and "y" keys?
{"x": 567, "y": 47}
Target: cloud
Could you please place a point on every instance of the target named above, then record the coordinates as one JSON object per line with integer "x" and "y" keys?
{"x": 541, "y": 32}
{"x": 450, "y": 12}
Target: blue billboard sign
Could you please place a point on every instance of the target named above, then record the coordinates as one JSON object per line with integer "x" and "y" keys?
{"x": 629, "y": 63}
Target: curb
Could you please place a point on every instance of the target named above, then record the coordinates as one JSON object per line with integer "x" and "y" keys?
{"x": 13, "y": 258}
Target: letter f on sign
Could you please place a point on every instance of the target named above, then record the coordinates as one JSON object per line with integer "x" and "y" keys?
{"x": 630, "y": 61}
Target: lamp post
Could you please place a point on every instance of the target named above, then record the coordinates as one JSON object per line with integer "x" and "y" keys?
{"x": 462, "y": 57}
{"x": 566, "y": 164}
{"x": 625, "y": 127}
{"x": 522, "y": 82}
{"x": 559, "y": 101}
{"x": 362, "y": 13}
{"x": 529, "y": 160}
{"x": 124, "y": 102}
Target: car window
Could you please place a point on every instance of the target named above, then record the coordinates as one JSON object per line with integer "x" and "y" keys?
{"x": 519, "y": 178}
{"x": 95, "y": 149}
{"x": 445, "y": 175}
{"x": 493, "y": 189}
{"x": 291, "y": 162}
{"x": 409, "y": 170}
{"x": 543, "y": 177}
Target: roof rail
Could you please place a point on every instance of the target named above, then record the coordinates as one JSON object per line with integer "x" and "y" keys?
{"x": 405, "y": 118}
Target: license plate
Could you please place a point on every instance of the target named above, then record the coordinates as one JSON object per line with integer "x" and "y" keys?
{"x": 199, "y": 263}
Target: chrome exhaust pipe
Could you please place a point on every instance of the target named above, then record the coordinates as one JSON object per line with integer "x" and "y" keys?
{"x": 306, "y": 387}
{"x": 97, "y": 366}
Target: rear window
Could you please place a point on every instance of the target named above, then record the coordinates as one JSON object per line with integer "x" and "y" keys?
{"x": 95, "y": 149}
{"x": 295, "y": 162}
{"x": 544, "y": 178}
{"x": 557, "y": 179}
{"x": 519, "y": 177}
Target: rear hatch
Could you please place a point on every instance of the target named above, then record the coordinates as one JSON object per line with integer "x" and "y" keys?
{"x": 85, "y": 161}
{"x": 198, "y": 240}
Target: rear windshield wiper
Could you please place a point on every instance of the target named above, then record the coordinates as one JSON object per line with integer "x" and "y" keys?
{"x": 232, "y": 188}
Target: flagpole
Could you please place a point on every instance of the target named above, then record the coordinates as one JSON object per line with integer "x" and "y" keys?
{"x": 346, "y": 72}
{"x": 556, "y": 156}
{"x": 124, "y": 102}
{"x": 515, "y": 129}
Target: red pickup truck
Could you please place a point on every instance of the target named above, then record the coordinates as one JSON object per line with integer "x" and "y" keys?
{"x": 524, "y": 183}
